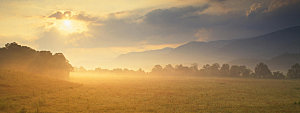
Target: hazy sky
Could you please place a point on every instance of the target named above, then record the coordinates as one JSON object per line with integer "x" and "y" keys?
{"x": 92, "y": 32}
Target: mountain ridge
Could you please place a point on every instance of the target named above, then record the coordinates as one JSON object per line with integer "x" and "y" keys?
{"x": 222, "y": 51}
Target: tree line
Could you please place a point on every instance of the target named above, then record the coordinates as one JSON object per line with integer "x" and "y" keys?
{"x": 115, "y": 71}
{"x": 15, "y": 57}
{"x": 25, "y": 59}
{"x": 260, "y": 71}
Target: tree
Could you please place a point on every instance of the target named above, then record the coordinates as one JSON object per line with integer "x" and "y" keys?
{"x": 12, "y": 45}
{"x": 157, "y": 69}
{"x": 212, "y": 70}
{"x": 180, "y": 69}
{"x": 235, "y": 71}
{"x": 205, "y": 69}
{"x": 240, "y": 71}
{"x": 278, "y": 75}
{"x": 194, "y": 67}
{"x": 224, "y": 71}
{"x": 169, "y": 68}
{"x": 215, "y": 67}
{"x": 262, "y": 71}
{"x": 25, "y": 59}
{"x": 294, "y": 72}
{"x": 140, "y": 71}
{"x": 245, "y": 72}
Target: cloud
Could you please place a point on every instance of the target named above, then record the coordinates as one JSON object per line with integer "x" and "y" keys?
{"x": 182, "y": 24}
{"x": 276, "y": 4}
{"x": 217, "y": 7}
{"x": 268, "y": 6}
{"x": 253, "y": 8}
{"x": 85, "y": 17}
{"x": 119, "y": 15}
{"x": 203, "y": 34}
{"x": 72, "y": 15}
{"x": 175, "y": 25}
{"x": 60, "y": 15}
{"x": 156, "y": 28}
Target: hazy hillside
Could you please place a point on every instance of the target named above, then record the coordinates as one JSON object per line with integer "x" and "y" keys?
{"x": 266, "y": 46}
{"x": 281, "y": 62}
{"x": 144, "y": 59}
{"x": 222, "y": 51}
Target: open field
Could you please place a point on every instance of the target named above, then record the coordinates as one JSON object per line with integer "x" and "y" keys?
{"x": 84, "y": 93}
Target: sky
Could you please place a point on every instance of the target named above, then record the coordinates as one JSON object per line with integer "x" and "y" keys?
{"x": 91, "y": 33}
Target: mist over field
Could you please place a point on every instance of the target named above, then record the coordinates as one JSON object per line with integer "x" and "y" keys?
{"x": 160, "y": 56}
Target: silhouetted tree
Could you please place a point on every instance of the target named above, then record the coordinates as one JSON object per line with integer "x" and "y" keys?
{"x": 180, "y": 69}
{"x": 245, "y": 72}
{"x": 157, "y": 69}
{"x": 169, "y": 68}
{"x": 205, "y": 69}
{"x": 211, "y": 70}
{"x": 25, "y": 59}
{"x": 194, "y": 67}
{"x": 215, "y": 69}
{"x": 235, "y": 71}
{"x": 262, "y": 71}
{"x": 140, "y": 71}
{"x": 294, "y": 72}
{"x": 278, "y": 75}
{"x": 224, "y": 71}
{"x": 240, "y": 71}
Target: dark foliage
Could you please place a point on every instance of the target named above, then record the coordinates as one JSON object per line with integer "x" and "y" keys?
{"x": 25, "y": 59}
{"x": 261, "y": 71}
{"x": 278, "y": 75}
{"x": 294, "y": 72}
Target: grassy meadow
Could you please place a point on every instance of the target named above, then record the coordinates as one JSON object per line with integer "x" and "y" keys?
{"x": 87, "y": 92}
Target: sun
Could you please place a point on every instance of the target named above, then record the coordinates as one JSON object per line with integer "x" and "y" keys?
{"x": 68, "y": 26}
{"x": 68, "y": 23}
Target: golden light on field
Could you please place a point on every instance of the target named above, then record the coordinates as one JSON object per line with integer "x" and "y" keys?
{"x": 70, "y": 26}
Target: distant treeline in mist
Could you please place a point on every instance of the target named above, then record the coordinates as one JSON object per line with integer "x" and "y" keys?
{"x": 14, "y": 57}
{"x": 116, "y": 71}
{"x": 260, "y": 71}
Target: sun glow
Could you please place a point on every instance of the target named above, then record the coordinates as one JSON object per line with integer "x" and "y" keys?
{"x": 71, "y": 26}
{"x": 67, "y": 23}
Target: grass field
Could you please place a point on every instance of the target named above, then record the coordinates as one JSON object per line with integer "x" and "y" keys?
{"x": 85, "y": 93}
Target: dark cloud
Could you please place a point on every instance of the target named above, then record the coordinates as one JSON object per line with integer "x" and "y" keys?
{"x": 229, "y": 26}
{"x": 253, "y": 8}
{"x": 172, "y": 17}
{"x": 276, "y": 4}
{"x": 183, "y": 24}
{"x": 268, "y": 6}
{"x": 71, "y": 15}
{"x": 60, "y": 15}
{"x": 84, "y": 17}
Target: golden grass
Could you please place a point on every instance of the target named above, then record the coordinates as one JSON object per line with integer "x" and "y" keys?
{"x": 102, "y": 93}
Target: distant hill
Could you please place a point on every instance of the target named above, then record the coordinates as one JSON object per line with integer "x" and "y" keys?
{"x": 222, "y": 51}
{"x": 281, "y": 62}
{"x": 266, "y": 46}
{"x": 144, "y": 59}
